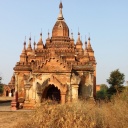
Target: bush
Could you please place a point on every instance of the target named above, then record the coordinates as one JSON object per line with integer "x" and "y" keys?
{"x": 80, "y": 114}
{"x": 1, "y": 88}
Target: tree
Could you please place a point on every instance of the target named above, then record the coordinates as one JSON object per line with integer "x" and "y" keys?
{"x": 103, "y": 87}
{"x": 1, "y": 86}
{"x": 102, "y": 94}
{"x": 116, "y": 81}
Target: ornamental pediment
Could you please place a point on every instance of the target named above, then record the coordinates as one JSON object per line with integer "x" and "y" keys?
{"x": 87, "y": 67}
{"x": 52, "y": 65}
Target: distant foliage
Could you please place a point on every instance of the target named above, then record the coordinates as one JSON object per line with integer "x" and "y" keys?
{"x": 102, "y": 94}
{"x": 1, "y": 88}
{"x": 116, "y": 81}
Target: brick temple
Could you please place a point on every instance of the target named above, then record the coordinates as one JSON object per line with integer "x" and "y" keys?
{"x": 59, "y": 69}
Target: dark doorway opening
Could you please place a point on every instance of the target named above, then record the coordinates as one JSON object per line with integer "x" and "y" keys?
{"x": 12, "y": 92}
{"x": 7, "y": 93}
{"x": 53, "y": 93}
{"x": 80, "y": 91}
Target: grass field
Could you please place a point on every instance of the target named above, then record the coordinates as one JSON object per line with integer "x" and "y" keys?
{"x": 80, "y": 114}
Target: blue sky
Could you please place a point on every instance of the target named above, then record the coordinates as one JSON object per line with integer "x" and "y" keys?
{"x": 105, "y": 20}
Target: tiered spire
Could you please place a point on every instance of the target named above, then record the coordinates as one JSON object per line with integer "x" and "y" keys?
{"x": 79, "y": 42}
{"x": 85, "y": 51}
{"x": 34, "y": 44}
{"x": 85, "y": 43}
{"x": 71, "y": 34}
{"x": 89, "y": 44}
{"x": 40, "y": 42}
{"x": 48, "y": 35}
{"x": 29, "y": 45}
{"x": 60, "y": 17}
{"x": 24, "y": 48}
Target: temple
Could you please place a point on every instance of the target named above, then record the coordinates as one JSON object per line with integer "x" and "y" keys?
{"x": 59, "y": 69}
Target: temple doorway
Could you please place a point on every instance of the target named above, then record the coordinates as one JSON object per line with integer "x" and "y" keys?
{"x": 80, "y": 91}
{"x": 7, "y": 93}
{"x": 52, "y": 93}
{"x": 12, "y": 92}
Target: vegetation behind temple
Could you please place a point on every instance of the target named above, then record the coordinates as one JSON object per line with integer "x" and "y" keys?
{"x": 115, "y": 81}
{"x": 1, "y": 86}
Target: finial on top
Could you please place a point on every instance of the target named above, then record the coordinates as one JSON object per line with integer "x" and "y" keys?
{"x": 61, "y": 5}
{"x": 48, "y": 34}
{"x": 71, "y": 34}
{"x": 78, "y": 31}
{"x": 79, "y": 40}
{"x": 25, "y": 41}
{"x": 78, "y": 35}
{"x": 41, "y": 32}
{"x": 60, "y": 17}
{"x": 30, "y": 38}
{"x": 89, "y": 37}
{"x": 85, "y": 43}
{"x": 34, "y": 43}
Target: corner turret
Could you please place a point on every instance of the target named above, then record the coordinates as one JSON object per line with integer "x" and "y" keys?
{"x": 40, "y": 42}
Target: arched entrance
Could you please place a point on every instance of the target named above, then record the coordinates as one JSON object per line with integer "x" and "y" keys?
{"x": 7, "y": 93}
{"x": 52, "y": 93}
{"x": 80, "y": 91}
{"x": 12, "y": 92}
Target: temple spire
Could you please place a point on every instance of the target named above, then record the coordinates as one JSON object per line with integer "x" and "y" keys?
{"x": 78, "y": 40}
{"x": 89, "y": 44}
{"x": 85, "y": 43}
{"x": 29, "y": 44}
{"x": 48, "y": 34}
{"x": 89, "y": 47}
{"x": 34, "y": 44}
{"x": 24, "y": 48}
{"x": 25, "y": 43}
{"x": 60, "y": 17}
{"x": 40, "y": 42}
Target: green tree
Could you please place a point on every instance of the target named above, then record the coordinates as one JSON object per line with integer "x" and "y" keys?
{"x": 116, "y": 81}
{"x": 1, "y": 86}
{"x": 102, "y": 94}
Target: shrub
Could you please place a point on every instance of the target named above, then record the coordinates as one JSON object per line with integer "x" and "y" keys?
{"x": 80, "y": 114}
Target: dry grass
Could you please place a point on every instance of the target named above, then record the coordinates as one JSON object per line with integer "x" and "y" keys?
{"x": 80, "y": 114}
{"x": 10, "y": 119}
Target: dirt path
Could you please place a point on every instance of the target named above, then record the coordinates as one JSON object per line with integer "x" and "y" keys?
{"x": 5, "y": 106}
{"x": 10, "y": 119}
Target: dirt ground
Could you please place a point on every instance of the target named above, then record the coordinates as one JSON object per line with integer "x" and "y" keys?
{"x": 8, "y": 118}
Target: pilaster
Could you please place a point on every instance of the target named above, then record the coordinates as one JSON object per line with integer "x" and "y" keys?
{"x": 63, "y": 97}
{"x": 75, "y": 92}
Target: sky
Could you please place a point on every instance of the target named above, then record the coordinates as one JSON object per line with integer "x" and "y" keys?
{"x": 105, "y": 20}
